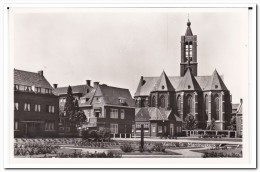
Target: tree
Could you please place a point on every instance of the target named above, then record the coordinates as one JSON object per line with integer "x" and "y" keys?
{"x": 72, "y": 112}
{"x": 212, "y": 125}
{"x": 233, "y": 123}
{"x": 190, "y": 123}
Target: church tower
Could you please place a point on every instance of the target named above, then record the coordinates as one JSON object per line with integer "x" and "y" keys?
{"x": 188, "y": 51}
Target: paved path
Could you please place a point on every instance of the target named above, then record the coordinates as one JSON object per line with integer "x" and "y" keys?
{"x": 181, "y": 140}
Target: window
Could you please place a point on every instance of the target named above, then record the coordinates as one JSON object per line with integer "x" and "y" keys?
{"x": 83, "y": 101}
{"x": 138, "y": 125}
{"x": 159, "y": 129}
{"x": 189, "y": 104}
{"x": 16, "y": 87}
{"x": 162, "y": 101}
{"x": 38, "y": 89}
{"x": 179, "y": 104}
{"x": 153, "y": 129}
{"x": 16, "y": 106}
{"x": 216, "y": 103}
{"x": 206, "y": 103}
{"x": 27, "y": 88}
{"x": 49, "y": 126}
{"x": 98, "y": 113}
{"x": 122, "y": 114}
{"x": 27, "y": 107}
{"x": 49, "y": 109}
{"x": 37, "y": 108}
{"x": 16, "y": 125}
{"x": 146, "y": 125}
{"x": 153, "y": 101}
{"x": 165, "y": 129}
{"x": 114, "y": 128}
{"x": 122, "y": 100}
{"x": 98, "y": 99}
{"x": 114, "y": 113}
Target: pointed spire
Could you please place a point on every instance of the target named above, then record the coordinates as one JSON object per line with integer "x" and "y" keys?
{"x": 188, "y": 82}
{"x": 163, "y": 83}
{"x": 188, "y": 30}
{"x": 215, "y": 82}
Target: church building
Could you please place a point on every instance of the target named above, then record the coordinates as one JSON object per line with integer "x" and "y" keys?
{"x": 206, "y": 98}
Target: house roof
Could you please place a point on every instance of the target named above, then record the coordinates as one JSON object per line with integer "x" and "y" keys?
{"x": 163, "y": 83}
{"x": 215, "y": 82}
{"x": 82, "y": 89}
{"x": 30, "y": 79}
{"x": 153, "y": 113}
{"x": 188, "y": 82}
{"x": 112, "y": 95}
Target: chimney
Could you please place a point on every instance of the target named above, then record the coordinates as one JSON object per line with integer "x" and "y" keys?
{"x": 88, "y": 82}
{"x": 241, "y": 101}
{"x": 40, "y": 72}
{"x": 96, "y": 84}
{"x": 55, "y": 86}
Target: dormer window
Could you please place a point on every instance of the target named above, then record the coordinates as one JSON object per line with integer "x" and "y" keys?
{"x": 83, "y": 101}
{"x": 163, "y": 87}
{"x": 216, "y": 86}
{"x": 122, "y": 100}
{"x": 188, "y": 86}
{"x": 38, "y": 89}
{"x": 27, "y": 88}
{"x": 98, "y": 99}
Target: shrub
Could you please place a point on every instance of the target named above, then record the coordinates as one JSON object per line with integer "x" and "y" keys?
{"x": 127, "y": 148}
{"x": 159, "y": 147}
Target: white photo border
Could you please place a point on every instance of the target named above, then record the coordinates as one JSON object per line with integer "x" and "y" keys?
{"x": 7, "y": 78}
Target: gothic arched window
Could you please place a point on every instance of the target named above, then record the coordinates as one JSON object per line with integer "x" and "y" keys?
{"x": 206, "y": 104}
{"x": 153, "y": 101}
{"x": 216, "y": 102}
{"x": 189, "y": 104}
{"x": 179, "y": 104}
{"x": 162, "y": 101}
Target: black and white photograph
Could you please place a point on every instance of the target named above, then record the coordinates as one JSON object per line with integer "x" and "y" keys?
{"x": 167, "y": 84}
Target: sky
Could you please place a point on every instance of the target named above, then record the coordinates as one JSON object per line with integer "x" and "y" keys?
{"x": 118, "y": 46}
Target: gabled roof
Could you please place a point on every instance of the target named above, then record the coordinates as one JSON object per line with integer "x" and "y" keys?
{"x": 151, "y": 113}
{"x": 163, "y": 83}
{"x": 30, "y": 79}
{"x": 148, "y": 83}
{"x": 215, "y": 82}
{"x": 82, "y": 89}
{"x": 188, "y": 82}
{"x": 188, "y": 30}
{"x": 112, "y": 95}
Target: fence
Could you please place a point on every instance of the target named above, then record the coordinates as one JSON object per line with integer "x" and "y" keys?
{"x": 220, "y": 133}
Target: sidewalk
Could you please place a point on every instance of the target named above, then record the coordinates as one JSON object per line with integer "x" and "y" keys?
{"x": 181, "y": 140}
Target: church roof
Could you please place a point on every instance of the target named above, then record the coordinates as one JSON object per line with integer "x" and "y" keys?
{"x": 147, "y": 84}
{"x": 188, "y": 82}
{"x": 215, "y": 82}
{"x": 188, "y": 30}
{"x": 163, "y": 83}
